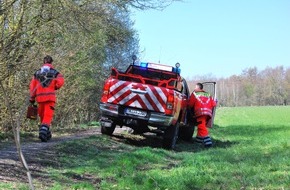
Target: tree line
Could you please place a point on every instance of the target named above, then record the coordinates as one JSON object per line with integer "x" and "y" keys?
{"x": 252, "y": 87}
{"x": 84, "y": 37}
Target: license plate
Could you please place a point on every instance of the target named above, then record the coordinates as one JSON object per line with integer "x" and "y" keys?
{"x": 135, "y": 112}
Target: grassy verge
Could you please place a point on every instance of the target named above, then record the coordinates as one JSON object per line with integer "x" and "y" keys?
{"x": 251, "y": 151}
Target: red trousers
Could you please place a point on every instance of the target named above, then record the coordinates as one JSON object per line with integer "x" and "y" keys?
{"x": 45, "y": 112}
{"x": 201, "y": 127}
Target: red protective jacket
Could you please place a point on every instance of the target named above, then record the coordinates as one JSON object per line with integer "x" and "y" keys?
{"x": 44, "y": 84}
{"x": 201, "y": 103}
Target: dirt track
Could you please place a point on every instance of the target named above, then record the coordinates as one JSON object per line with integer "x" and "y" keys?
{"x": 36, "y": 155}
{"x": 41, "y": 155}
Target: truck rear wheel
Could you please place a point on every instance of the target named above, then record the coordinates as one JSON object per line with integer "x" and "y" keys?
{"x": 185, "y": 133}
{"x": 108, "y": 130}
{"x": 170, "y": 136}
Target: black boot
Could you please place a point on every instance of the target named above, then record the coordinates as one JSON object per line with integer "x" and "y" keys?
{"x": 49, "y": 134}
{"x": 207, "y": 142}
{"x": 43, "y": 133}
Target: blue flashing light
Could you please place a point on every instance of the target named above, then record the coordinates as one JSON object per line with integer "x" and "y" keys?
{"x": 157, "y": 66}
{"x": 141, "y": 64}
{"x": 144, "y": 65}
{"x": 176, "y": 70}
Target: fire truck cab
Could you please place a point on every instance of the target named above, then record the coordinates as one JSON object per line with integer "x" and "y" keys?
{"x": 147, "y": 97}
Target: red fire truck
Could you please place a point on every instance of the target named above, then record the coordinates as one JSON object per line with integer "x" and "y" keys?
{"x": 147, "y": 97}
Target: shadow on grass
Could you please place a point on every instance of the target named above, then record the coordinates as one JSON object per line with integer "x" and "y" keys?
{"x": 144, "y": 140}
{"x": 154, "y": 141}
{"x": 227, "y": 137}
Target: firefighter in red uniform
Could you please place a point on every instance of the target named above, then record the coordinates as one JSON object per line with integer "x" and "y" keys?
{"x": 43, "y": 87}
{"x": 201, "y": 103}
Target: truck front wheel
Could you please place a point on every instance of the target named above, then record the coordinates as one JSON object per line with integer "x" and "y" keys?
{"x": 170, "y": 136}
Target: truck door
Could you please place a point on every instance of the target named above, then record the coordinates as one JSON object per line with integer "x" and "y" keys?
{"x": 210, "y": 87}
{"x": 185, "y": 98}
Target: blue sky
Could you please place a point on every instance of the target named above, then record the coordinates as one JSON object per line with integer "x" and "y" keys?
{"x": 216, "y": 37}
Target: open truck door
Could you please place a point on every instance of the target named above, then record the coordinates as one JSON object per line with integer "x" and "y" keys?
{"x": 210, "y": 87}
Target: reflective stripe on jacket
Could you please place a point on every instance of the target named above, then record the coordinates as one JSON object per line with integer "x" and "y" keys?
{"x": 45, "y": 93}
{"x": 201, "y": 103}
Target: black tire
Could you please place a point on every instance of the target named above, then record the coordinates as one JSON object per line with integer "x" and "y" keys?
{"x": 108, "y": 130}
{"x": 186, "y": 132}
{"x": 170, "y": 136}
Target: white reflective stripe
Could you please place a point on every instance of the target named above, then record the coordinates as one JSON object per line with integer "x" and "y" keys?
{"x": 197, "y": 97}
{"x": 155, "y": 100}
{"x": 113, "y": 87}
{"x": 126, "y": 99}
{"x": 146, "y": 102}
{"x": 205, "y": 109}
{"x": 136, "y": 104}
{"x": 162, "y": 95}
{"x": 208, "y": 143}
{"x": 118, "y": 94}
{"x": 199, "y": 139}
{"x": 207, "y": 140}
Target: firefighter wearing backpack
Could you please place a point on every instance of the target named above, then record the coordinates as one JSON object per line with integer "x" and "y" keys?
{"x": 43, "y": 88}
{"x": 201, "y": 104}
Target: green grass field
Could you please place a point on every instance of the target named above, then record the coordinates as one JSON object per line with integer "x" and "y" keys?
{"x": 251, "y": 151}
